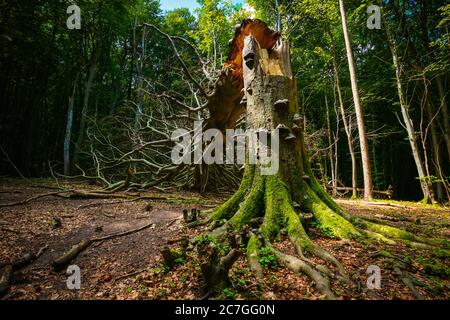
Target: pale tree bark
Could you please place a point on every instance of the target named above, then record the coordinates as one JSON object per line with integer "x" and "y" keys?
{"x": 437, "y": 159}
{"x": 347, "y": 122}
{"x": 84, "y": 111}
{"x": 364, "y": 145}
{"x": 281, "y": 202}
{"x": 347, "y": 128}
{"x": 426, "y": 187}
{"x": 330, "y": 149}
{"x": 69, "y": 126}
{"x": 446, "y": 116}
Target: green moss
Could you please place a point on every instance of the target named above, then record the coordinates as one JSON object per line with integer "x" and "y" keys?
{"x": 396, "y": 233}
{"x": 434, "y": 267}
{"x": 280, "y": 214}
{"x": 253, "y": 246}
{"x": 441, "y": 253}
{"x": 273, "y": 208}
{"x": 329, "y": 222}
{"x": 253, "y": 205}
{"x": 231, "y": 206}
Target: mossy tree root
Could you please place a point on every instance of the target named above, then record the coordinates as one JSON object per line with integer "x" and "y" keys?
{"x": 269, "y": 197}
{"x": 371, "y": 230}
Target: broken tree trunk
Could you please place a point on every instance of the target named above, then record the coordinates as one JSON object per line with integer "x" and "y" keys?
{"x": 215, "y": 268}
{"x": 279, "y": 200}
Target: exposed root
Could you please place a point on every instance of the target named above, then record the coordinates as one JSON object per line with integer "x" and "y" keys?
{"x": 268, "y": 196}
{"x": 401, "y": 269}
{"x": 300, "y": 266}
{"x": 374, "y": 231}
{"x": 253, "y": 256}
{"x": 330, "y": 222}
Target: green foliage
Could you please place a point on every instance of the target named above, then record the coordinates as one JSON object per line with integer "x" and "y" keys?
{"x": 222, "y": 246}
{"x": 202, "y": 240}
{"x": 229, "y": 294}
{"x": 214, "y": 29}
{"x": 434, "y": 267}
{"x": 180, "y": 22}
{"x": 267, "y": 258}
{"x": 178, "y": 256}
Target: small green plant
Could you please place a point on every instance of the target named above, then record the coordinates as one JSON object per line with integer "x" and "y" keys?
{"x": 434, "y": 267}
{"x": 223, "y": 247}
{"x": 178, "y": 256}
{"x": 267, "y": 258}
{"x": 229, "y": 294}
{"x": 437, "y": 269}
{"x": 203, "y": 239}
{"x": 157, "y": 270}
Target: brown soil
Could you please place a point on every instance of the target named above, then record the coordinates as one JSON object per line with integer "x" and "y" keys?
{"x": 104, "y": 265}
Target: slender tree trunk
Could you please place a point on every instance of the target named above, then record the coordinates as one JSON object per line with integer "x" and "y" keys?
{"x": 68, "y": 135}
{"x": 427, "y": 189}
{"x": 330, "y": 149}
{"x": 347, "y": 123}
{"x": 279, "y": 22}
{"x": 84, "y": 111}
{"x": 336, "y": 138}
{"x": 443, "y": 98}
{"x": 367, "y": 173}
{"x": 432, "y": 118}
{"x": 347, "y": 129}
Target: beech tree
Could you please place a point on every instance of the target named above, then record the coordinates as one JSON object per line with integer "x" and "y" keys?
{"x": 260, "y": 64}
{"x": 367, "y": 171}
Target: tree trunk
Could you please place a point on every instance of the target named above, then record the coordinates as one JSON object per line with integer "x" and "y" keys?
{"x": 272, "y": 105}
{"x": 443, "y": 98}
{"x": 347, "y": 123}
{"x": 83, "y": 116}
{"x": 431, "y": 114}
{"x": 347, "y": 129}
{"x": 330, "y": 149}
{"x": 268, "y": 206}
{"x": 427, "y": 189}
{"x": 68, "y": 134}
{"x": 367, "y": 172}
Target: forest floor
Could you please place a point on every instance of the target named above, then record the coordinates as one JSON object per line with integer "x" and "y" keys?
{"x": 131, "y": 266}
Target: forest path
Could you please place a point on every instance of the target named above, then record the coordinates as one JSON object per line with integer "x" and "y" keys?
{"x": 26, "y": 228}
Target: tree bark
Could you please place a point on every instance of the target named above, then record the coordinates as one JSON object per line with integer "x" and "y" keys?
{"x": 347, "y": 129}
{"x": 269, "y": 206}
{"x": 330, "y": 150}
{"x": 437, "y": 159}
{"x": 427, "y": 189}
{"x": 367, "y": 172}
{"x": 443, "y": 98}
{"x": 68, "y": 134}
{"x": 83, "y": 116}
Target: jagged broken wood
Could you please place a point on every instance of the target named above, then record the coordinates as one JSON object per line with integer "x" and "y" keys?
{"x": 261, "y": 66}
